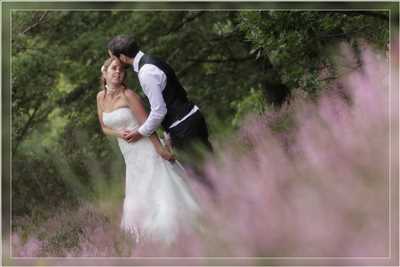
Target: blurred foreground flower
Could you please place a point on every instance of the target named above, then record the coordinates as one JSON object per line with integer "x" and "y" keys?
{"x": 327, "y": 195}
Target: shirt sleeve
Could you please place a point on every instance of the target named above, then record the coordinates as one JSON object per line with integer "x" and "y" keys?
{"x": 153, "y": 82}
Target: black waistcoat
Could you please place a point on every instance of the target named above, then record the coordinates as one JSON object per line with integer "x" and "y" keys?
{"x": 178, "y": 105}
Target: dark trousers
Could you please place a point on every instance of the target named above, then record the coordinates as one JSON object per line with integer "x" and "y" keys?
{"x": 190, "y": 133}
{"x": 190, "y": 139}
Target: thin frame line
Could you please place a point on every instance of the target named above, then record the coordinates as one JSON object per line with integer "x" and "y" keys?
{"x": 1, "y": 130}
{"x": 390, "y": 136}
{"x": 166, "y": 10}
{"x": 195, "y": 1}
{"x": 194, "y": 9}
{"x": 11, "y": 156}
{"x": 197, "y": 258}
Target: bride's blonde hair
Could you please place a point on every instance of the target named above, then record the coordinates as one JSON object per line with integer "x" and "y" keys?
{"x": 104, "y": 68}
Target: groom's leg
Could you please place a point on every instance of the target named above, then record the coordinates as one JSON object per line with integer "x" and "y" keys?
{"x": 191, "y": 134}
{"x": 190, "y": 139}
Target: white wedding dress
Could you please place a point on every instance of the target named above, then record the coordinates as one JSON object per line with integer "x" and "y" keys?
{"x": 157, "y": 200}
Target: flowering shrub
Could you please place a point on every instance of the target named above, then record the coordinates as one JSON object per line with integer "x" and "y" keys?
{"x": 327, "y": 194}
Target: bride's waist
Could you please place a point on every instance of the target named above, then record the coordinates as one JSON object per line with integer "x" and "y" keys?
{"x": 124, "y": 143}
{"x": 127, "y": 128}
{"x": 141, "y": 147}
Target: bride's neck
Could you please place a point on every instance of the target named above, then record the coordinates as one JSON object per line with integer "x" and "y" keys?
{"x": 113, "y": 88}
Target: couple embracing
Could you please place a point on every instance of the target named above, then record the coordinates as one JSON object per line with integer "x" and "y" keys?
{"x": 157, "y": 199}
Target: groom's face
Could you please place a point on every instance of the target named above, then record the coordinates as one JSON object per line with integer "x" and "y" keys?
{"x": 124, "y": 59}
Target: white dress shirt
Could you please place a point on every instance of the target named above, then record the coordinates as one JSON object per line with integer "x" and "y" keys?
{"x": 153, "y": 81}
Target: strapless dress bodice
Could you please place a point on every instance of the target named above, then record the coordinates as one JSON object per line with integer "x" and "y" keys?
{"x": 120, "y": 118}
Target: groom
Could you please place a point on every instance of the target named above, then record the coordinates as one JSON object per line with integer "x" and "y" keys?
{"x": 170, "y": 107}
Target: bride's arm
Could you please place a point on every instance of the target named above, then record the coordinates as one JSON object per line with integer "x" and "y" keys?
{"x": 106, "y": 130}
{"x": 136, "y": 105}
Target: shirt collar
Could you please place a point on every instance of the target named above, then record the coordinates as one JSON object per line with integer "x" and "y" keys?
{"x": 136, "y": 60}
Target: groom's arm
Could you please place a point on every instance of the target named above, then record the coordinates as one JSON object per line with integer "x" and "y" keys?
{"x": 153, "y": 82}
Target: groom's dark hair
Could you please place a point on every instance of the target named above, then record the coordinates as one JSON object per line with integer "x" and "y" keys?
{"x": 123, "y": 44}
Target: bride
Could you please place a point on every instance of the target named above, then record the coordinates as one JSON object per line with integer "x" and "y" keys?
{"x": 157, "y": 200}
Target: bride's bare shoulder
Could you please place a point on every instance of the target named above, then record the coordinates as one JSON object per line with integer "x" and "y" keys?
{"x": 130, "y": 93}
{"x": 100, "y": 94}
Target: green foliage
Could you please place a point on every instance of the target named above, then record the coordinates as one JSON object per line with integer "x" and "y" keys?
{"x": 37, "y": 183}
{"x": 297, "y": 42}
{"x": 254, "y": 103}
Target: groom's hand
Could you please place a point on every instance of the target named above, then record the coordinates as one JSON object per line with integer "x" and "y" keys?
{"x": 133, "y": 136}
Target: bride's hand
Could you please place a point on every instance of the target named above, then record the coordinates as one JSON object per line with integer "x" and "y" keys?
{"x": 123, "y": 134}
{"x": 166, "y": 154}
